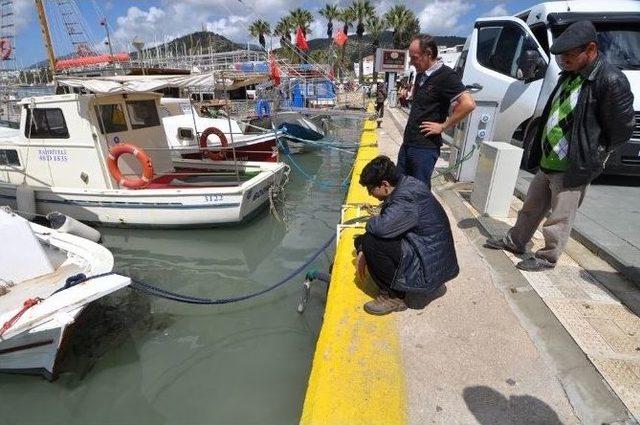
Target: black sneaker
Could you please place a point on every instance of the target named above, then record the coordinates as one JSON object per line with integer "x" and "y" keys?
{"x": 494, "y": 243}
{"x": 535, "y": 264}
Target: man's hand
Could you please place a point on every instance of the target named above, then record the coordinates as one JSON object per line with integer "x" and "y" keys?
{"x": 361, "y": 265}
{"x": 429, "y": 127}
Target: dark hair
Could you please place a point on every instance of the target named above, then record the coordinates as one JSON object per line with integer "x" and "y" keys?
{"x": 428, "y": 45}
{"x": 378, "y": 169}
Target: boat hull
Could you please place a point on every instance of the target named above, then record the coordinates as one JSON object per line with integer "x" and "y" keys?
{"x": 162, "y": 207}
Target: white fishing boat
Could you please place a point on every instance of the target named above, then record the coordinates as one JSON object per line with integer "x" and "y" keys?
{"x": 72, "y": 153}
{"x": 36, "y": 310}
{"x": 191, "y": 127}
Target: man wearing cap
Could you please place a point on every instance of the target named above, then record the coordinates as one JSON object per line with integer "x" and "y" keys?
{"x": 588, "y": 115}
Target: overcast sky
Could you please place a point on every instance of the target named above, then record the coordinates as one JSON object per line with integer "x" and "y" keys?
{"x": 157, "y": 20}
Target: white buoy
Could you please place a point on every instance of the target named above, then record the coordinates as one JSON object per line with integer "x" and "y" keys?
{"x": 26, "y": 201}
{"x": 66, "y": 224}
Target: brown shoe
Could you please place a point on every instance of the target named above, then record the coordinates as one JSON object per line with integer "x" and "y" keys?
{"x": 383, "y": 304}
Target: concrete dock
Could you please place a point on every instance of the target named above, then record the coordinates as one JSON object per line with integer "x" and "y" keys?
{"x": 499, "y": 347}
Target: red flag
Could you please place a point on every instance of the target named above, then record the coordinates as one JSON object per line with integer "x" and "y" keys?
{"x": 274, "y": 70}
{"x": 301, "y": 42}
{"x": 340, "y": 38}
{"x": 331, "y": 74}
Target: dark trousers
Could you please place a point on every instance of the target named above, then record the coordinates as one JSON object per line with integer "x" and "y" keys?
{"x": 418, "y": 161}
{"x": 383, "y": 259}
{"x": 380, "y": 109}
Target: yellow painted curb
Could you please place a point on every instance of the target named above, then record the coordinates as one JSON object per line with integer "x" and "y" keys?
{"x": 357, "y": 375}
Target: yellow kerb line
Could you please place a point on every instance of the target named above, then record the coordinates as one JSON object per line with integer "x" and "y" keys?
{"x": 357, "y": 375}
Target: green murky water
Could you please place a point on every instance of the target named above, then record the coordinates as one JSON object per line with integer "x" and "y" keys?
{"x": 140, "y": 360}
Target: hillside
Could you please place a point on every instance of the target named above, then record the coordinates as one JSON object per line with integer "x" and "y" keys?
{"x": 386, "y": 40}
{"x": 204, "y": 41}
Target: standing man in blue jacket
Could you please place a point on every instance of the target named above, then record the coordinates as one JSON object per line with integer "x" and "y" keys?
{"x": 588, "y": 115}
{"x": 409, "y": 246}
{"x": 437, "y": 90}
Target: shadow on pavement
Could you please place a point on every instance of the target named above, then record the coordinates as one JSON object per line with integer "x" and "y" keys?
{"x": 631, "y": 181}
{"x": 490, "y": 407}
{"x": 418, "y": 301}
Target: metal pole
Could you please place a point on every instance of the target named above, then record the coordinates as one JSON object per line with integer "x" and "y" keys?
{"x": 233, "y": 148}
{"x": 44, "y": 27}
{"x": 106, "y": 27}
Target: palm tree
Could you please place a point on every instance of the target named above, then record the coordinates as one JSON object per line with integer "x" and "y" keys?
{"x": 301, "y": 18}
{"x": 259, "y": 29}
{"x": 375, "y": 27}
{"x": 361, "y": 10}
{"x": 347, "y": 18}
{"x": 330, "y": 12}
{"x": 402, "y": 20}
{"x": 283, "y": 30}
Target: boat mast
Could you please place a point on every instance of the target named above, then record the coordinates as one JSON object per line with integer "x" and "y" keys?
{"x": 44, "y": 27}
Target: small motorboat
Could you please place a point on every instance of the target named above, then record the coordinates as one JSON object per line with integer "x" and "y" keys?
{"x": 80, "y": 153}
{"x": 47, "y": 278}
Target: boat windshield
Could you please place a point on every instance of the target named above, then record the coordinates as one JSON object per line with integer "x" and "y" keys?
{"x": 620, "y": 42}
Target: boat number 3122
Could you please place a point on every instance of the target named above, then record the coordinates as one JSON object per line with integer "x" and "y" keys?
{"x": 213, "y": 198}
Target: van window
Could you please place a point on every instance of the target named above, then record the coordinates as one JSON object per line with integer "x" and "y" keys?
{"x": 9, "y": 157}
{"x": 111, "y": 118}
{"x": 502, "y": 47}
{"x": 47, "y": 123}
{"x": 143, "y": 113}
{"x": 620, "y": 43}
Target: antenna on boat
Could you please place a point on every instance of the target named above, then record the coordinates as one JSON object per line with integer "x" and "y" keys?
{"x": 46, "y": 35}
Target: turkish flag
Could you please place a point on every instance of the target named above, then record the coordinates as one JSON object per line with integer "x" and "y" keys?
{"x": 273, "y": 69}
{"x": 301, "y": 41}
{"x": 340, "y": 38}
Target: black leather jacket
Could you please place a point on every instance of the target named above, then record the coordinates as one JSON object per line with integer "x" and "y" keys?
{"x": 603, "y": 121}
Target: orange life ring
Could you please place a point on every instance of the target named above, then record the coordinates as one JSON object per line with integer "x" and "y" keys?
{"x": 5, "y": 49}
{"x": 214, "y": 156}
{"x": 141, "y": 156}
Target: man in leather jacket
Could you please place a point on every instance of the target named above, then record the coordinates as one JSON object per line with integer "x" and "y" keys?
{"x": 588, "y": 115}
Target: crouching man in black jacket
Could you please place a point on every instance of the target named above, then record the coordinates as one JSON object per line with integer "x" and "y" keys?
{"x": 409, "y": 246}
{"x": 588, "y": 115}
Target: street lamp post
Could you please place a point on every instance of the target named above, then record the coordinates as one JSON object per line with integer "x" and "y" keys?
{"x": 139, "y": 44}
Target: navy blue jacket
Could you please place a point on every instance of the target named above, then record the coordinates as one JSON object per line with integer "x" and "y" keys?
{"x": 428, "y": 252}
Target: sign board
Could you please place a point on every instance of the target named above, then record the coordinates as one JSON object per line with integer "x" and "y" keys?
{"x": 391, "y": 60}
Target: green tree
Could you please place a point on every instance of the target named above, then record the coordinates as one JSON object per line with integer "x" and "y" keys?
{"x": 259, "y": 28}
{"x": 347, "y": 17}
{"x": 283, "y": 30}
{"x": 404, "y": 24}
{"x": 301, "y": 18}
{"x": 361, "y": 10}
{"x": 375, "y": 27}
{"x": 330, "y": 12}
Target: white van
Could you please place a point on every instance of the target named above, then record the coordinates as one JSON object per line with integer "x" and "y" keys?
{"x": 507, "y": 66}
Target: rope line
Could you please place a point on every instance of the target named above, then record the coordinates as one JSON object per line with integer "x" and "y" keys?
{"x": 149, "y": 289}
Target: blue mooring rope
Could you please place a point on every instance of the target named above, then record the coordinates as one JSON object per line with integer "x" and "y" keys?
{"x": 149, "y": 289}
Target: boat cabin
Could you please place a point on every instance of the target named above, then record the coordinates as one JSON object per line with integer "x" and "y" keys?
{"x": 64, "y": 140}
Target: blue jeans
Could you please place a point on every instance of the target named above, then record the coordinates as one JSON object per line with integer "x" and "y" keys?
{"x": 418, "y": 161}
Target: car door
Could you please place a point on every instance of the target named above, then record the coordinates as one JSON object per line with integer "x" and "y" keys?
{"x": 505, "y": 67}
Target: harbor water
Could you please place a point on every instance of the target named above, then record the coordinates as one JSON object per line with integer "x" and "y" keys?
{"x": 134, "y": 359}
